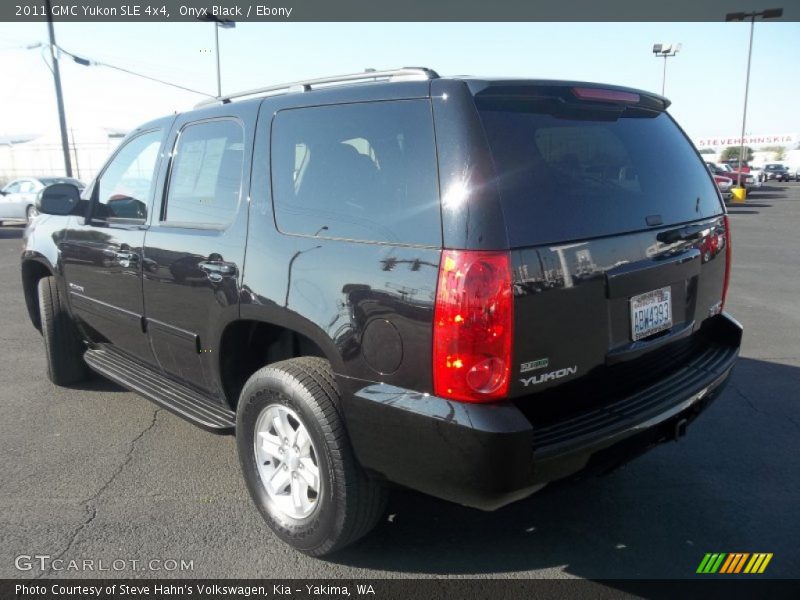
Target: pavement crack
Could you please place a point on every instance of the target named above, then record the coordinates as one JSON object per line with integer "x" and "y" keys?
{"x": 128, "y": 457}
{"x": 747, "y": 399}
{"x": 755, "y": 408}
{"x": 89, "y": 504}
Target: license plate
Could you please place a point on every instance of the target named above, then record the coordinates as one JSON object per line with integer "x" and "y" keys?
{"x": 651, "y": 313}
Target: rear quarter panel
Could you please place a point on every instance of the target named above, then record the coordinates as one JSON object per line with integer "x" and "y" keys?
{"x": 369, "y": 306}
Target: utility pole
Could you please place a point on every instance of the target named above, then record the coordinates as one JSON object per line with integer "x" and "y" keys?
{"x": 746, "y": 91}
{"x": 218, "y": 23}
{"x": 62, "y": 119}
{"x": 216, "y": 49}
{"x": 770, "y": 13}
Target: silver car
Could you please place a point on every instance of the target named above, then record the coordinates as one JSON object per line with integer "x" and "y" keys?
{"x": 17, "y": 199}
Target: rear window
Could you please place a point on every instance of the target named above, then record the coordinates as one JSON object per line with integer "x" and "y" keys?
{"x": 575, "y": 172}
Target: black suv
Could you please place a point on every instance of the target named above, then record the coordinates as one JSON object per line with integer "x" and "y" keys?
{"x": 469, "y": 287}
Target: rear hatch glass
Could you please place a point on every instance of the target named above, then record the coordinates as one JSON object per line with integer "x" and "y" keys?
{"x": 570, "y": 170}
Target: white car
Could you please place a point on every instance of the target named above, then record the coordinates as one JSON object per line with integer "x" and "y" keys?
{"x": 18, "y": 197}
{"x": 758, "y": 173}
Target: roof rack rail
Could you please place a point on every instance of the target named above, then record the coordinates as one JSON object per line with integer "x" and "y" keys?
{"x": 403, "y": 74}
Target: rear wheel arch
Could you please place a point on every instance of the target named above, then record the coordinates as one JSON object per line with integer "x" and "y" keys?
{"x": 247, "y": 345}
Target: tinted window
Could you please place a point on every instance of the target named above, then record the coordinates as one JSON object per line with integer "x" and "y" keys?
{"x": 206, "y": 177}
{"x": 126, "y": 185}
{"x": 569, "y": 173}
{"x": 357, "y": 171}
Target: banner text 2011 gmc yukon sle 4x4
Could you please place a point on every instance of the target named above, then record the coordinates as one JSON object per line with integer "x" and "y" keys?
{"x": 469, "y": 287}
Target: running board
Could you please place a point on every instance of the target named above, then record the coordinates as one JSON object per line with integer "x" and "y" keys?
{"x": 175, "y": 397}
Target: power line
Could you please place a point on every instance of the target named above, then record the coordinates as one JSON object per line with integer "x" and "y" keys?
{"x": 86, "y": 62}
{"x": 21, "y": 46}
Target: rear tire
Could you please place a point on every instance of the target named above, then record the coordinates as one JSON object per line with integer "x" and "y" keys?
{"x": 346, "y": 504}
{"x": 30, "y": 214}
{"x": 63, "y": 346}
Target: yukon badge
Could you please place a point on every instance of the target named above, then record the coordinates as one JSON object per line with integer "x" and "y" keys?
{"x": 537, "y": 379}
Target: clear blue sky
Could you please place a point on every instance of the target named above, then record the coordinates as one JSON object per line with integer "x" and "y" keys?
{"x": 705, "y": 81}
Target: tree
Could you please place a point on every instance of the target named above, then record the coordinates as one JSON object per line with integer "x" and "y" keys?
{"x": 778, "y": 152}
{"x": 707, "y": 151}
{"x": 732, "y": 153}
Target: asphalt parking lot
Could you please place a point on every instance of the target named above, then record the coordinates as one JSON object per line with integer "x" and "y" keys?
{"x": 100, "y": 473}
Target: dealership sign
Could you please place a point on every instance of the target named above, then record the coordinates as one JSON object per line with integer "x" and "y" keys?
{"x": 749, "y": 140}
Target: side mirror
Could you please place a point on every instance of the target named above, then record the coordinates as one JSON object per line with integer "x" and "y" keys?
{"x": 58, "y": 199}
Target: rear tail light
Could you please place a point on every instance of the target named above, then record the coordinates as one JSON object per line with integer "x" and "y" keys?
{"x": 472, "y": 330}
{"x": 728, "y": 257}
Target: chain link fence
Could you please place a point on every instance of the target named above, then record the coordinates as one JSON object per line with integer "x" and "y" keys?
{"x": 35, "y": 159}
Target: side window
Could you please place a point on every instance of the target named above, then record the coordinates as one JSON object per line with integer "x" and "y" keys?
{"x": 205, "y": 180}
{"x": 26, "y": 187}
{"x": 363, "y": 171}
{"x": 12, "y": 188}
{"x": 126, "y": 184}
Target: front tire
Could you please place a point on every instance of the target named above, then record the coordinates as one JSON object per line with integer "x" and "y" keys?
{"x": 336, "y": 503}
{"x": 63, "y": 346}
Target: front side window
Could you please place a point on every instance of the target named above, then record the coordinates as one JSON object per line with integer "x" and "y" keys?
{"x": 206, "y": 177}
{"x": 126, "y": 185}
{"x": 364, "y": 171}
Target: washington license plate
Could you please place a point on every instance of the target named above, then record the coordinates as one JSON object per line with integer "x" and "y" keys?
{"x": 651, "y": 313}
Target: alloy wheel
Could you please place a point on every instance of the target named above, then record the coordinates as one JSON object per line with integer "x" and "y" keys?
{"x": 287, "y": 461}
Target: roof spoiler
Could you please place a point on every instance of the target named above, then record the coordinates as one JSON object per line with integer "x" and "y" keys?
{"x": 570, "y": 91}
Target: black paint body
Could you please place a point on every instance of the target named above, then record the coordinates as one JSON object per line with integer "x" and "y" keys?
{"x": 166, "y": 295}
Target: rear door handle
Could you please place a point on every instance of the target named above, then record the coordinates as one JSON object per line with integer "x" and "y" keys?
{"x": 125, "y": 258}
{"x": 690, "y": 232}
{"x": 216, "y": 270}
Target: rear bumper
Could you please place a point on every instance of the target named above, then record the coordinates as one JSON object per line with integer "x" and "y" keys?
{"x": 486, "y": 456}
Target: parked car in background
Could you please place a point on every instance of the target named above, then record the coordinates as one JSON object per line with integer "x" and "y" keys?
{"x": 797, "y": 174}
{"x": 17, "y": 199}
{"x": 733, "y": 163}
{"x": 724, "y": 184}
{"x": 777, "y": 172}
{"x": 758, "y": 174}
{"x": 725, "y": 170}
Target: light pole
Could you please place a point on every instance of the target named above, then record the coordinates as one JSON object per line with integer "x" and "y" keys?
{"x": 62, "y": 119}
{"x": 770, "y": 13}
{"x": 665, "y": 51}
{"x": 224, "y": 24}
